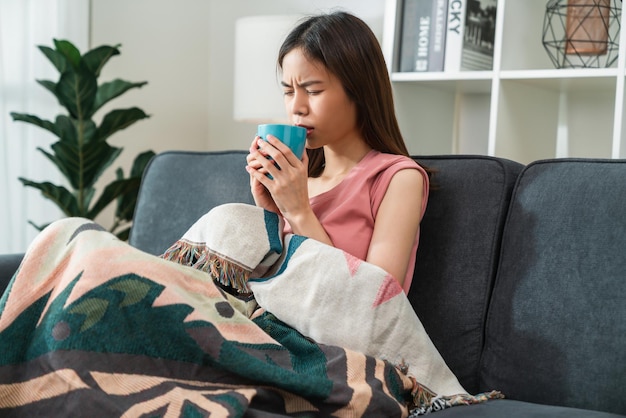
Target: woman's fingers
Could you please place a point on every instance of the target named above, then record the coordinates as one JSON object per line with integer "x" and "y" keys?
{"x": 270, "y": 157}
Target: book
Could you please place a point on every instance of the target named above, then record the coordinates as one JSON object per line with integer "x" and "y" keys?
{"x": 479, "y": 36}
{"x": 438, "y": 24}
{"x": 416, "y": 33}
{"x": 455, "y": 30}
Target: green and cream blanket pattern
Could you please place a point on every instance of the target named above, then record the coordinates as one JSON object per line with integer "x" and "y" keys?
{"x": 245, "y": 322}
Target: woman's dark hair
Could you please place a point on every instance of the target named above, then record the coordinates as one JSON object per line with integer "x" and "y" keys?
{"x": 348, "y": 48}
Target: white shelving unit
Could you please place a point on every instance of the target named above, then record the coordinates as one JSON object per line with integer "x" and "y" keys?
{"x": 524, "y": 109}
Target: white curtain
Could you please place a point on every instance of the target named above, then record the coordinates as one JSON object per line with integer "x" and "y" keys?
{"x": 24, "y": 25}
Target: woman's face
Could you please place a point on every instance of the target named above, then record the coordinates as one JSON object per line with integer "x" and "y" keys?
{"x": 316, "y": 100}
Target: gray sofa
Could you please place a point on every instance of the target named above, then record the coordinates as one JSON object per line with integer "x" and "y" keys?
{"x": 520, "y": 278}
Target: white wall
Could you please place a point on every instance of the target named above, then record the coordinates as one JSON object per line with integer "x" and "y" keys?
{"x": 184, "y": 49}
{"x": 165, "y": 43}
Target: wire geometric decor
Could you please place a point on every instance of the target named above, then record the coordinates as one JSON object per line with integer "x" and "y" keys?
{"x": 582, "y": 33}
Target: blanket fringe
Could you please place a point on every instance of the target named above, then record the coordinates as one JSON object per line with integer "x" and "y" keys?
{"x": 199, "y": 256}
{"x": 424, "y": 401}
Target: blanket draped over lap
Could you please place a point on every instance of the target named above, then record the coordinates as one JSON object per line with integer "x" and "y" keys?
{"x": 280, "y": 325}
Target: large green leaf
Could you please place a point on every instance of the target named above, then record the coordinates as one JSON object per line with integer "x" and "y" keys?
{"x": 118, "y": 119}
{"x": 122, "y": 208}
{"x": 84, "y": 197}
{"x": 140, "y": 163}
{"x": 35, "y": 120}
{"x": 126, "y": 203}
{"x": 95, "y": 59}
{"x": 40, "y": 227}
{"x": 125, "y": 208}
{"x": 76, "y": 91}
{"x": 75, "y": 131}
{"x": 112, "y": 191}
{"x": 66, "y": 130}
{"x": 49, "y": 85}
{"x": 58, "y": 194}
{"x": 83, "y": 192}
{"x": 86, "y": 164}
{"x": 98, "y": 159}
{"x": 113, "y": 89}
{"x": 85, "y": 130}
{"x": 60, "y": 165}
{"x": 56, "y": 58}
{"x": 69, "y": 51}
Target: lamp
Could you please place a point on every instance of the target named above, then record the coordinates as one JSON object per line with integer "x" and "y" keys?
{"x": 258, "y": 98}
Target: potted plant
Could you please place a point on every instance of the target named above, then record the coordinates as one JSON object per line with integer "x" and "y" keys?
{"x": 82, "y": 153}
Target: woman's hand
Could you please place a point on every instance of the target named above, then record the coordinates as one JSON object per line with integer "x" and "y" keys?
{"x": 286, "y": 191}
{"x": 260, "y": 193}
{"x": 278, "y": 183}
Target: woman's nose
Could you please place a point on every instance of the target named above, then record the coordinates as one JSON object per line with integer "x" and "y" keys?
{"x": 299, "y": 104}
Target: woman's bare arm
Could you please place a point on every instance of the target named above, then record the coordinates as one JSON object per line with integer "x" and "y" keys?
{"x": 397, "y": 223}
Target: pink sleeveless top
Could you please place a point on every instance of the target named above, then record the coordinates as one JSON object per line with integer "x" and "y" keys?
{"x": 348, "y": 211}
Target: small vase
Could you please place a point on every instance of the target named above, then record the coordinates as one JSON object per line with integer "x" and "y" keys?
{"x": 582, "y": 33}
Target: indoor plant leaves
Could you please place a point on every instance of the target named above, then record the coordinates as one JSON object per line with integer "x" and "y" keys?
{"x": 81, "y": 152}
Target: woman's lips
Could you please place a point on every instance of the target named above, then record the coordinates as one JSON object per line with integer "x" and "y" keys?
{"x": 309, "y": 129}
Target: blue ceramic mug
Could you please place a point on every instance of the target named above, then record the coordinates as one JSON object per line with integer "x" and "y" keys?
{"x": 292, "y": 136}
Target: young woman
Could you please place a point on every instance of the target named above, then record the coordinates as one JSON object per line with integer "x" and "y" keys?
{"x": 356, "y": 188}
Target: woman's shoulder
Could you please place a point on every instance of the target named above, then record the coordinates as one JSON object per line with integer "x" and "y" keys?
{"x": 377, "y": 162}
{"x": 385, "y": 166}
{"x": 377, "y": 157}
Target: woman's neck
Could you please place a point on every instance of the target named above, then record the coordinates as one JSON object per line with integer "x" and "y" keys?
{"x": 337, "y": 166}
{"x": 339, "y": 162}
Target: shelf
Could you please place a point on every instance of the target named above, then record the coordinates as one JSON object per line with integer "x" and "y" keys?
{"x": 561, "y": 73}
{"x": 571, "y": 82}
{"x": 448, "y": 82}
{"x": 567, "y": 123}
{"x": 524, "y": 109}
{"x": 443, "y": 76}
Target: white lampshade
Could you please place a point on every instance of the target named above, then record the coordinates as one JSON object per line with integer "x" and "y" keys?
{"x": 258, "y": 96}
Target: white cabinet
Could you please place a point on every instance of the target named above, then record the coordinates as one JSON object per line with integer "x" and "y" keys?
{"x": 524, "y": 109}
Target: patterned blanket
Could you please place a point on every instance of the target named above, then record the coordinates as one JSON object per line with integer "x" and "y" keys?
{"x": 245, "y": 322}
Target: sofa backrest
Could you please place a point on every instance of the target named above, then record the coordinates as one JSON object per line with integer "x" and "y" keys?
{"x": 556, "y": 330}
{"x": 179, "y": 187}
{"x": 458, "y": 252}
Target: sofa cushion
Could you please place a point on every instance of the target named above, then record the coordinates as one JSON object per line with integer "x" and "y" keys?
{"x": 457, "y": 256}
{"x": 556, "y": 331}
{"x": 178, "y": 187}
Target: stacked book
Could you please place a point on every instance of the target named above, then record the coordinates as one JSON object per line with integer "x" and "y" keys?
{"x": 447, "y": 35}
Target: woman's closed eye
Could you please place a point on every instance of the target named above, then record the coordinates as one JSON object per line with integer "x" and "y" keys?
{"x": 308, "y": 92}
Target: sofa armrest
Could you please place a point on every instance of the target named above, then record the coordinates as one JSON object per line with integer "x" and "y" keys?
{"x": 8, "y": 266}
